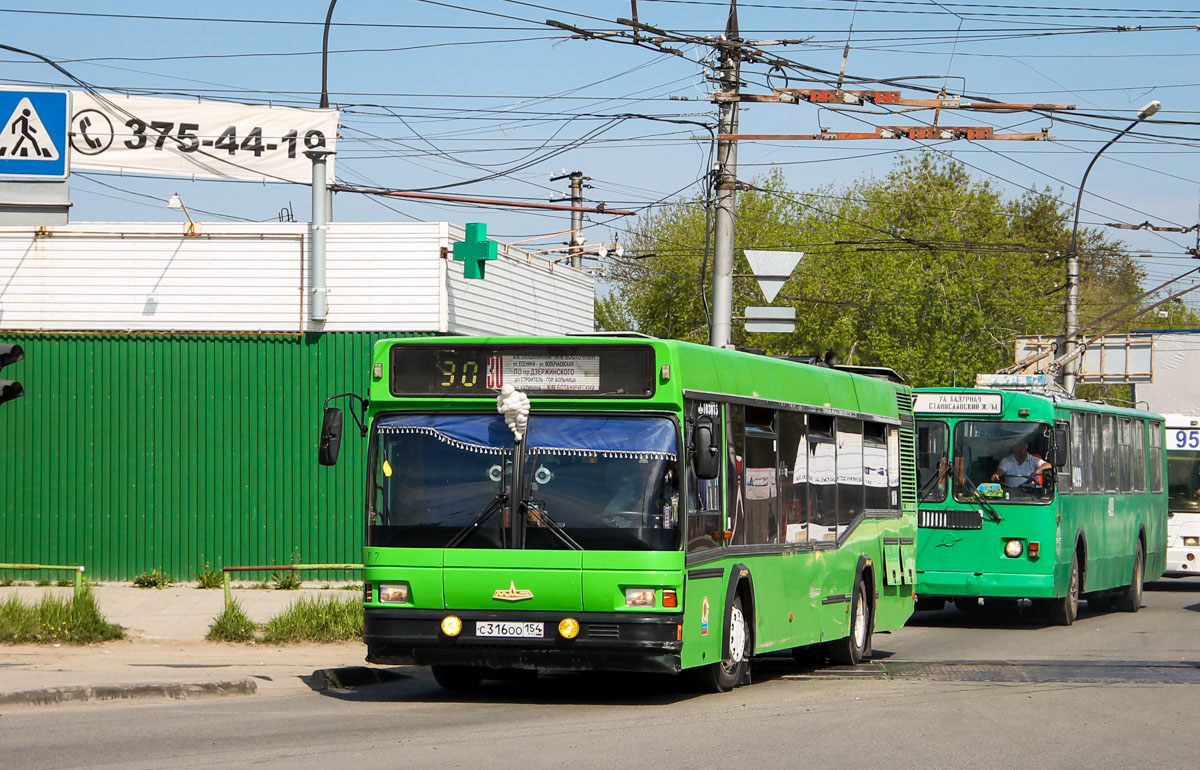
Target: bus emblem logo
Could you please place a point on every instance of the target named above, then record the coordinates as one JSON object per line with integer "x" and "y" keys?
{"x": 512, "y": 593}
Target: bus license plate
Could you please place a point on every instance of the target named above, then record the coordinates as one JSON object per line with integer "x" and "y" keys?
{"x": 513, "y": 630}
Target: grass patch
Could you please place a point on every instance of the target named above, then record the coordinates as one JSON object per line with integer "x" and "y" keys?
{"x": 72, "y": 621}
{"x": 155, "y": 578}
{"x": 232, "y": 625}
{"x": 286, "y": 581}
{"x": 324, "y": 619}
{"x": 209, "y": 577}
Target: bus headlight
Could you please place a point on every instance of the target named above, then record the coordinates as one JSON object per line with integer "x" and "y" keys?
{"x": 395, "y": 593}
{"x": 1013, "y": 549}
{"x": 568, "y": 628}
{"x": 1191, "y": 541}
{"x": 639, "y": 597}
{"x": 451, "y": 625}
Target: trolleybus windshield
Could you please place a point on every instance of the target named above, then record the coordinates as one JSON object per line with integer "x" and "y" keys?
{"x": 994, "y": 457}
{"x": 606, "y": 482}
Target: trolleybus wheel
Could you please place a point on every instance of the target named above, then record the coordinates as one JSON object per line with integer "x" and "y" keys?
{"x": 729, "y": 672}
{"x": 1129, "y": 598}
{"x": 1062, "y": 611}
{"x": 458, "y": 677}
{"x": 850, "y": 650}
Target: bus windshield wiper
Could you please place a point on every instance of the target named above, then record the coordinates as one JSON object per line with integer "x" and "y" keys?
{"x": 983, "y": 503}
{"x": 497, "y": 503}
{"x": 537, "y": 513}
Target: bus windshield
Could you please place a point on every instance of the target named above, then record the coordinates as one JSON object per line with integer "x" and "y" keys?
{"x": 931, "y": 460}
{"x": 1000, "y": 460}
{"x": 606, "y": 482}
{"x": 1183, "y": 480}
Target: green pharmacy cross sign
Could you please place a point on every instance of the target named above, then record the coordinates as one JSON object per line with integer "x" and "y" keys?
{"x": 474, "y": 251}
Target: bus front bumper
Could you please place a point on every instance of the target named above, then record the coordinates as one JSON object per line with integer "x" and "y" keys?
{"x": 1178, "y": 563}
{"x": 995, "y": 584}
{"x": 607, "y": 641}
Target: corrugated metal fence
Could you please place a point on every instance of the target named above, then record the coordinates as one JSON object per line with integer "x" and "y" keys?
{"x": 135, "y": 452}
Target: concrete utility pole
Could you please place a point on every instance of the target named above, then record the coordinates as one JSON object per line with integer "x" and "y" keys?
{"x": 725, "y": 187}
{"x": 577, "y": 239}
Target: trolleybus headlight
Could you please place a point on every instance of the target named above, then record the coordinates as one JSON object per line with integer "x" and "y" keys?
{"x": 452, "y": 625}
{"x": 639, "y": 597}
{"x": 396, "y": 593}
{"x": 1191, "y": 541}
{"x": 568, "y": 628}
{"x": 1013, "y": 549}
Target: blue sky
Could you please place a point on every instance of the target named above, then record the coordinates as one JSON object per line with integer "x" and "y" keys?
{"x": 436, "y": 94}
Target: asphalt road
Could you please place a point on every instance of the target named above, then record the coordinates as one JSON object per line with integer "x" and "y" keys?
{"x": 1113, "y": 691}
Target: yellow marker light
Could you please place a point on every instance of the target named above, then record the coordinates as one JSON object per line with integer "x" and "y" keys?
{"x": 451, "y": 625}
{"x": 1191, "y": 541}
{"x": 1013, "y": 549}
{"x": 568, "y": 628}
{"x": 396, "y": 593}
{"x": 639, "y": 597}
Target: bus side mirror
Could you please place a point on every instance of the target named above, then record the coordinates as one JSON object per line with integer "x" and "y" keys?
{"x": 705, "y": 457}
{"x": 1060, "y": 449}
{"x": 331, "y": 436}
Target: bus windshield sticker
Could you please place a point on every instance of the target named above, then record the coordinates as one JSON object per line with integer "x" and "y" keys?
{"x": 958, "y": 403}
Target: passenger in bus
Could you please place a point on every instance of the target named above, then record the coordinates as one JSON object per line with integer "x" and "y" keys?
{"x": 1020, "y": 467}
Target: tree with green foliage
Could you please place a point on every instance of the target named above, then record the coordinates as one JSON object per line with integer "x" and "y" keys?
{"x": 926, "y": 270}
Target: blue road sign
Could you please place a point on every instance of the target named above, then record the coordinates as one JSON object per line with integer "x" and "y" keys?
{"x": 33, "y": 137}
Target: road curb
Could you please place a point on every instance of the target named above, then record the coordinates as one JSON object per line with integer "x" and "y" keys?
{"x": 50, "y": 696}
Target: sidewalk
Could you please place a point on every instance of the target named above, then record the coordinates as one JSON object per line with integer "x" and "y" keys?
{"x": 165, "y": 654}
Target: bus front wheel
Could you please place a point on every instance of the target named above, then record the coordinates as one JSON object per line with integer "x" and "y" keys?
{"x": 1129, "y": 599}
{"x": 850, "y": 650}
{"x": 1062, "y": 612}
{"x": 729, "y": 672}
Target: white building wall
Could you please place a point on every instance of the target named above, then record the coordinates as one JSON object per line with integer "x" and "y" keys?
{"x": 257, "y": 277}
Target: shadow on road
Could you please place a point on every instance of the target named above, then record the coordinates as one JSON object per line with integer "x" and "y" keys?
{"x": 1185, "y": 585}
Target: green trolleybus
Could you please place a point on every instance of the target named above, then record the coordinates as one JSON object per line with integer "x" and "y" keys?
{"x": 654, "y": 506}
{"x": 1032, "y": 495}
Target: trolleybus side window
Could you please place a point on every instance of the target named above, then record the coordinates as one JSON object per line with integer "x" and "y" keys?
{"x": 1080, "y": 467}
{"x": 1096, "y": 480}
{"x": 704, "y": 522}
{"x": 875, "y": 465}
{"x": 1064, "y": 476}
{"x": 822, "y": 478}
{"x": 1156, "y": 459}
{"x": 1139, "y": 456}
{"x": 932, "y": 471}
{"x": 849, "y": 471}
{"x": 793, "y": 476}
{"x": 1125, "y": 454}
{"x": 760, "y": 476}
{"x": 1108, "y": 432}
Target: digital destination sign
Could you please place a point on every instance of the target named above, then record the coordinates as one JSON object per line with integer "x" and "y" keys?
{"x": 621, "y": 371}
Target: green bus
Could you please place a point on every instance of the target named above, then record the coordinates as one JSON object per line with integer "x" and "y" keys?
{"x": 668, "y": 507}
{"x": 1026, "y": 494}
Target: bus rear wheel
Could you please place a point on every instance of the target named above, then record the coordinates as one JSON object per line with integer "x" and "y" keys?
{"x": 458, "y": 677}
{"x": 1062, "y": 612}
{"x": 1129, "y": 598}
{"x": 850, "y": 650}
{"x": 729, "y": 672}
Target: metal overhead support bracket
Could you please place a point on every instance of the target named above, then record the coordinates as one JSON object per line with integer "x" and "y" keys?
{"x": 827, "y": 96}
{"x": 973, "y": 133}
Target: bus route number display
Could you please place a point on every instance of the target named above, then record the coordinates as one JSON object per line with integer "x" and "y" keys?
{"x": 481, "y": 371}
{"x": 1183, "y": 439}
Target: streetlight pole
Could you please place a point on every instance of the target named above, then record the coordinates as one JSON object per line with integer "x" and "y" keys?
{"x": 1073, "y": 254}
{"x": 325, "y": 57}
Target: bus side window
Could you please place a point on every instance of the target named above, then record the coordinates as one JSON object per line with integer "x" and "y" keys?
{"x": 761, "y": 476}
{"x": 793, "y": 477}
{"x": 875, "y": 465}
{"x": 849, "y": 472}
{"x": 704, "y": 511}
{"x": 822, "y": 479}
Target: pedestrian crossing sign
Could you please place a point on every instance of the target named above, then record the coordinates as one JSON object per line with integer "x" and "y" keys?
{"x": 33, "y": 137}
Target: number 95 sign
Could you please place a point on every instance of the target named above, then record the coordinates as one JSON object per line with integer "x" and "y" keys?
{"x": 216, "y": 140}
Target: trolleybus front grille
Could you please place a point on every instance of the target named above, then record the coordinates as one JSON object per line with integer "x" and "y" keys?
{"x": 931, "y": 519}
